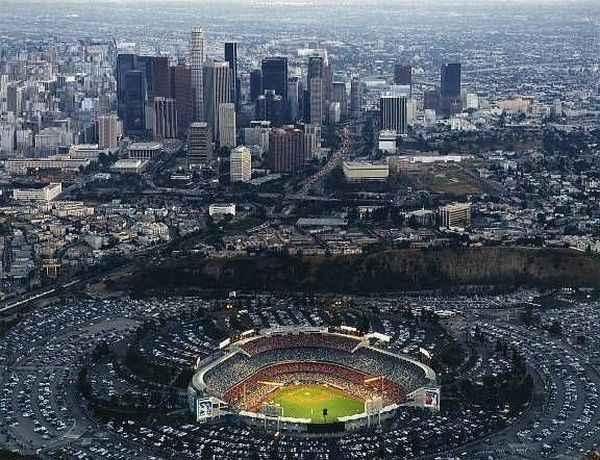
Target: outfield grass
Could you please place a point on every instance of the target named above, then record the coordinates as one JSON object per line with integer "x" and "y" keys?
{"x": 308, "y": 401}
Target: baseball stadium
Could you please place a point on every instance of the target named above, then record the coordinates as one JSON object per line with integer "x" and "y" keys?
{"x": 309, "y": 380}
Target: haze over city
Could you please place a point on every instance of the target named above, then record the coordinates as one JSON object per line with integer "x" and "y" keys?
{"x": 299, "y": 229}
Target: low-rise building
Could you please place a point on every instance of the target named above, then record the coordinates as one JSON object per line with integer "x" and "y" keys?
{"x": 46, "y": 193}
{"x": 358, "y": 171}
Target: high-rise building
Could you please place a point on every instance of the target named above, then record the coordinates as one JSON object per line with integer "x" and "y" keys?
{"x": 109, "y": 131}
{"x": 286, "y": 150}
{"x": 158, "y": 75}
{"x": 403, "y": 75}
{"x": 451, "y": 80}
{"x": 275, "y": 75}
{"x": 217, "y": 90}
{"x": 393, "y": 113}
{"x": 355, "y": 98}
{"x": 197, "y": 72}
{"x": 199, "y": 144}
{"x": 270, "y": 107}
{"x": 317, "y": 101}
{"x": 240, "y": 164}
{"x": 341, "y": 96}
{"x": 293, "y": 101}
{"x": 165, "y": 118}
{"x": 227, "y": 125}
{"x": 182, "y": 92}
{"x": 134, "y": 100}
{"x": 256, "y": 84}
{"x": 125, "y": 63}
{"x": 312, "y": 140}
{"x": 14, "y": 98}
{"x": 231, "y": 52}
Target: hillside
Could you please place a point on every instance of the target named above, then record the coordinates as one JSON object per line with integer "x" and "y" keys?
{"x": 382, "y": 271}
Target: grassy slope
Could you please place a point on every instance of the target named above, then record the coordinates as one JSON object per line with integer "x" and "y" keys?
{"x": 391, "y": 270}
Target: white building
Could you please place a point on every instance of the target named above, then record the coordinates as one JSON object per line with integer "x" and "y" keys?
{"x": 46, "y": 193}
{"x": 240, "y": 164}
{"x": 227, "y": 209}
{"x": 129, "y": 166}
{"x": 358, "y": 171}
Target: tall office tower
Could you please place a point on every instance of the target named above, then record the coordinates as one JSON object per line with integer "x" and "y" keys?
{"x": 14, "y": 98}
{"x": 355, "y": 98}
{"x": 393, "y": 113}
{"x": 125, "y": 63}
{"x": 316, "y": 101}
{"x": 134, "y": 119}
{"x": 286, "y": 150}
{"x": 240, "y": 164}
{"x": 275, "y": 75}
{"x": 402, "y": 75}
{"x": 270, "y": 107}
{"x": 312, "y": 140}
{"x": 161, "y": 77}
{"x": 450, "y": 89}
{"x": 165, "y": 118}
{"x": 109, "y": 131}
{"x": 197, "y": 72}
{"x": 314, "y": 81}
{"x": 256, "y": 87}
{"x": 294, "y": 97}
{"x": 231, "y": 50}
{"x": 315, "y": 68}
{"x": 182, "y": 92}
{"x": 451, "y": 80}
{"x": 341, "y": 96}
{"x": 227, "y": 125}
{"x": 199, "y": 144}
{"x": 217, "y": 90}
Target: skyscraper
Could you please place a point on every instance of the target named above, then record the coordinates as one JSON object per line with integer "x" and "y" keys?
{"x": 240, "y": 164}
{"x": 125, "y": 63}
{"x": 134, "y": 119}
{"x": 256, "y": 86}
{"x": 341, "y": 96}
{"x": 231, "y": 50}
{"x": 165, "y": 118}
{"x": 199, "y": 144}
{"x": 183, "y": 94}
{"x": 316, "y": 101}
{"x": 227, "y": 125}
{"x": 270, "y": 107}
{"x": 450, "y": 89}
{"x": 197, "y": 72}
{"x": 109, "y": 131}
{"x": 286, "y": 150}
{"x": 293, "y": 97}
{"x": 393, "y": 110}
{"x": 355, "y": 98}
{"x": 275, "y": 75}
{"x": 217, "y": 90}
{"x": 451, "y": 80}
